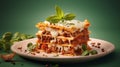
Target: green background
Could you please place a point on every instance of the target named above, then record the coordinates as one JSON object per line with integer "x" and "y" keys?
{"x": 104, "y": 16}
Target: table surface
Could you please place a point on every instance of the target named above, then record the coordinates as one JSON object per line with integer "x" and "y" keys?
{"x": 22, "y": 15}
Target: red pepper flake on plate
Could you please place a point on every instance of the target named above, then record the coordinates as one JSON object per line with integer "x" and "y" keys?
{"x": 103, "y": 50}
{"x": 20, "y": 48}
{"x": 33, "y": 53}
{"x": 98, "y": 43}
{"x": 93, "y": 44}
{"x": 25, "y": 51}
{"x": 45, "y": 55}
{"x": 98, "y": 47}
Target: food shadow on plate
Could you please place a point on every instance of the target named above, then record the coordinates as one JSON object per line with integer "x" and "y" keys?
{"x": 91, "y": 63}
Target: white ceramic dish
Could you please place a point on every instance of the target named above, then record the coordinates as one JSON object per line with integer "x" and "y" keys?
{"x": 104, "y": 49}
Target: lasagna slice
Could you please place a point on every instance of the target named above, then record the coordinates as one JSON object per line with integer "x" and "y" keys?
{"x": 64, "y": 38}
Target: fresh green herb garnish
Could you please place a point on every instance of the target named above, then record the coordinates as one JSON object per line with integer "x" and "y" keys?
{"x": 5, "y": 41}
{"x": 31, "y": 46}
{"x": 93, "y": 52}
{"x": 53, "y": 19}
{"x": 20, "y": 36}
{"x": 59, "y": 12}
{"x": 9, "y": 38}
{"x": 86, "y": 52}
{"x": 69, "y": 17}
{"x": 84, "y": 47}
{"x": 60, "y": 16}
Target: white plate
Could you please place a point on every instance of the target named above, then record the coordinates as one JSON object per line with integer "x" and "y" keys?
{"x": 107, "y": 46}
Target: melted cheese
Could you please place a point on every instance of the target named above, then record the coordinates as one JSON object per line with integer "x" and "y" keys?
{"x": 70, "y": 23}
{"x": 54, "y": 33}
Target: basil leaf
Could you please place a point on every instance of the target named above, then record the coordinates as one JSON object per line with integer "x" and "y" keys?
{"x": 93, "y": 52}
{"x": 2, "y": 43}
{"x": 8, "y": 39}
{"x": 30, "y": 36}
{"x": 23, "y": 36}
{"x": 59, "y": 16}
{"x": 7, "y": 46}
{"x": 17, "y": 34}
{"x": 7, "y": 36}
{"x": 16, "y": 37}
{"x": 29, "y": 44}
{"x": 85, "y": 53}
{"x": 50, "y": 18}
{"x": 84, "y": 47}
{"x": 69, "y": 16}
{"x": 53, "y": 19}
{"x": 59, "y": 12}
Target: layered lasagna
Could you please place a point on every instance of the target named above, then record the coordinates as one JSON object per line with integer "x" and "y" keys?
{"x": 65, "y": 38}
